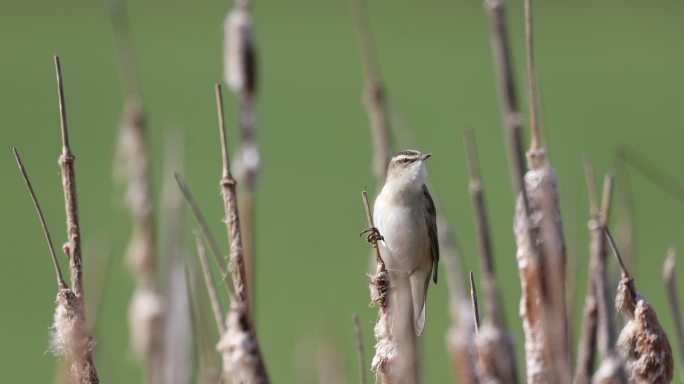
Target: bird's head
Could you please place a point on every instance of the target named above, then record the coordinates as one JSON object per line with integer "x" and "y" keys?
{"x": 407, "y": 168}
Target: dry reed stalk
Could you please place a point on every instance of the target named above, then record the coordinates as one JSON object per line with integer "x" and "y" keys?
{"x": 596, "y": 323}
{"x": 359, "y": 349}
{"x": 373, "y": 94}
{"x": 642, "y": 344}
{"x": 547, "y": 229}
{"x": 498, "y": 363}
{"x": 671, "y": 287}
{"x": 528, "y": 253}
{"x": 70, "y": 332}
{"x": 396, "y": 356}
{"x": 242, "y": 360}
{"x": 71, "y": 328}
{"x": 241, "y": 77}
{"x": 460, "y": 337}
{"x": 146, "y": 313}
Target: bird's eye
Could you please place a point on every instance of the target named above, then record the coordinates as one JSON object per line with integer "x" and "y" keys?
{"x": 405, "y": 160}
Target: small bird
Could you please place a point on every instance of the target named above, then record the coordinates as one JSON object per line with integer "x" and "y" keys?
{"x": 404, "y": 215}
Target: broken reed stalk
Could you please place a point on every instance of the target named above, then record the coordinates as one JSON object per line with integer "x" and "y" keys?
{"x": 360, "y": 352}
{"x": 460, "y": 337}
{"x": 146, "y": 313}
{"x": 70, "y": 333}
{"x": 242, "y": 359}
{"x": 373, "y": 94}
{"x": 498, "y": 362}
{"x": 671, "y": 288}
{"x": 241, "y": 77}
{"x": 209, "y": 282}
{"x": 642, "y": 344}
{"x": 596, "y": 322}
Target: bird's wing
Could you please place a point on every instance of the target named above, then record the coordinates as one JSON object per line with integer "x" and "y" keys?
{"x": 431, "y": 221}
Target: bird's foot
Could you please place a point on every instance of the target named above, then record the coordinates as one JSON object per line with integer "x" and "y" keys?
{"x": 372, "y": 235}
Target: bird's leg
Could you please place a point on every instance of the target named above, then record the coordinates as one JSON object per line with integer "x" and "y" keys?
{"x": 372, "y": 235}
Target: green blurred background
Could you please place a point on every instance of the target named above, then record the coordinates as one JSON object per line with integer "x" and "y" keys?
{"x": 610, "y": 74}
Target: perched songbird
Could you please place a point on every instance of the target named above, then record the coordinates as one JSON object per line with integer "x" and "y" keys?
{"x": 405, "y": 216}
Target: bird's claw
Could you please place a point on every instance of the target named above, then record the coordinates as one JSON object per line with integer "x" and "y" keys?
{"x": 372, "y": 235}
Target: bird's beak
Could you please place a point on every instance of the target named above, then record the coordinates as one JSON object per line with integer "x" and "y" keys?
{"x": 425, "y": 156}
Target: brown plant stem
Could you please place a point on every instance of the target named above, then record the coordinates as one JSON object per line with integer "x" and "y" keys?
{"x": 71, "y": 327}
{"x": 373, "y": 95}
{"x": 228, "y": 187}
{"x": 239, "y": 345}
{"x": 671, "y": 287}
{"x": 66, "y": 163}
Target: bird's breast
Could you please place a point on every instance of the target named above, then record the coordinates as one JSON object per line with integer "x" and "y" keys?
{"x": 405, "y": 234}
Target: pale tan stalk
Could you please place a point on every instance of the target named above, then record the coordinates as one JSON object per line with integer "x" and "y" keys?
{"x": 642, "y": 344}
{"x": 373, "y": 94}
{"x": 671, "y": 286}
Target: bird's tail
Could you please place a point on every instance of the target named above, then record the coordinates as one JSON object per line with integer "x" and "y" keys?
{"x": 419, "y": 284}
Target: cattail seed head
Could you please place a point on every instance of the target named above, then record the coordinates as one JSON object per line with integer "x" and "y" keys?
{"x": 643, "y": 344}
